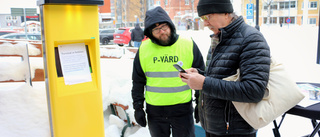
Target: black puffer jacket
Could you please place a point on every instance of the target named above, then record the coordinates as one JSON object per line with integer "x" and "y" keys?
{"x": 241, "y": 46}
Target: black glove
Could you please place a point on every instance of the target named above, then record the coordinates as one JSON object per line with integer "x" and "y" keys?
{"x": 140, "y": 117}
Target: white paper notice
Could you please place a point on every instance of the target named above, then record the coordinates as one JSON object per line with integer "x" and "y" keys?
{"x": 74, "y": 63}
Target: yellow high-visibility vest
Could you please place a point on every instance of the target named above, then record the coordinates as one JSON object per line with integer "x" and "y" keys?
{"x": 164, "y": 87}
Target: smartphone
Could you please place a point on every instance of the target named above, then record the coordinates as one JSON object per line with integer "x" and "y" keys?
{"x": 179, "y": 68}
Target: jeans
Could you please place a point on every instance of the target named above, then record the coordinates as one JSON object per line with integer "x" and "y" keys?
{"x": 136, "y": 44}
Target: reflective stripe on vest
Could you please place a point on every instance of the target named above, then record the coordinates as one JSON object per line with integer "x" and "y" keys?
{"x": 162, "y": 74}
{"x": 167, "y": 89}
{"x": 164, "y": 87}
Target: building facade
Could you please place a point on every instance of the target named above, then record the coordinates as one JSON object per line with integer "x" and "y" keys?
{"x": 105, "y": 17}
{"x": 129, "y": 12}
{"x": 9, "y": 22}
{"x": 284, "y": 12}
{"x": 182, "y": 12}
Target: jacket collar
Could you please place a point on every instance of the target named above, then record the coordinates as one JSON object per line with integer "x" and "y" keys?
{"x": 232, "y": 27}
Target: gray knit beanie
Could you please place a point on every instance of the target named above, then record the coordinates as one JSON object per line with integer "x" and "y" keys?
{"x": 214, "y": 6}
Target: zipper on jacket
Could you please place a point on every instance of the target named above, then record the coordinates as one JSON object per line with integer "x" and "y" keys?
{"x": 201, "y": 98}
{"x": 212, "y": 53}
{"x": 227, "y": 116}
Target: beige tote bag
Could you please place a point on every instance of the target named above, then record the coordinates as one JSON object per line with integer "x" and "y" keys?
{"x": 282, "y": 94}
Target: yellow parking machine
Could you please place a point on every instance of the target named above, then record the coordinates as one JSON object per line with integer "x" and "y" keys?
{"x": 70, "y": 39}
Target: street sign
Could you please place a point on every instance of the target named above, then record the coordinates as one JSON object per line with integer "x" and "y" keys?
{"x": 250, "y": 11}
{"x": 249, "y": 14}
{"x": 288, "y": 20}
{"x": 250, "y": 6}
{"x": 20, "y": 11}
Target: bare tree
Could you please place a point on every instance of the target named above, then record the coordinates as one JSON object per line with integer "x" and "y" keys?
{"x": 268, "y": 4}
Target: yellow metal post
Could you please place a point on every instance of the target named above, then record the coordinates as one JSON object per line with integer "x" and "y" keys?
{"x": 75, "y": 110}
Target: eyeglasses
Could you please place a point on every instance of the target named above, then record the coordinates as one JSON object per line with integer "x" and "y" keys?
{"x": 204, "y": 18}
{"x": 163, "y": 27}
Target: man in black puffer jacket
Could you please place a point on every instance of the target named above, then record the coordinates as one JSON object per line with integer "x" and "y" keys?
{"x": 235, "y": 45}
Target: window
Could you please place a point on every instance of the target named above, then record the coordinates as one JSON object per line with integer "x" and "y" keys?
{"x": 186, "y": 2}
{"x": 166, "y": 2}
{"x": 120, "y": 31}
{"x": 14, "y": 17}
{"x": 292, "y": 4}
{"x": 158, "y": 3}
{"x": 20, "y": 37}
{"x": 293, "y": 20}
{"x": 313, "y": 5}
{"x": 10, "y": 37}
{"x": 312, "y": 21}
{"x": 8, "y": 18}
{"x": 273, "y": 20}
{"x": 151, "y": 2}
{"x": 265, "y": 7}
{"x": 31, "y": 37}
{"x": 274, "y": 6}
{"x": 286, "y": 4}
{"x": 107, "y": 31}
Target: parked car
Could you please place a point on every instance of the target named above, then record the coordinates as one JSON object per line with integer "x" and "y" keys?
{"x": 30, "y": 36}
{"x": 3, "y": 32}
{"x": 123, "y": 36}
{"x": 106, "y": 35}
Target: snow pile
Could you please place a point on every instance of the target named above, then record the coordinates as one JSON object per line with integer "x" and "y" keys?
{"x": 17, "y": 48}
{"x": 118, "y": 52}
{"x": 23, "y": 112}
{"x": 12, "y": 70}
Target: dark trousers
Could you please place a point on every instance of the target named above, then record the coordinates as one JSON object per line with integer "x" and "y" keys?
{"x": 212, "y": 135}
{"x": 182, "y": 126}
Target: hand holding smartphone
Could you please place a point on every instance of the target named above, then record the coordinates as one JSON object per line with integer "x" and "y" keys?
{"x": 179, "y": 68}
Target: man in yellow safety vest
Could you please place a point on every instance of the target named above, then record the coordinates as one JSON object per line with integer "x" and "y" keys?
{"x": 155, "y": 80}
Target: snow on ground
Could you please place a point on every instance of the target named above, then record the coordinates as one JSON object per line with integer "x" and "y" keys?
{"x": 23, "y": 109}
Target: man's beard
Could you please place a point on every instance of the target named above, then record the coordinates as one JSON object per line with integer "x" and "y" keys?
{"x": 165, "y": 41}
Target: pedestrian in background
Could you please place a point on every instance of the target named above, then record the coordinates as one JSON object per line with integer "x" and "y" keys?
{"x": 156, "y": 81}
{"x": 235, "y": 45}
{"x": 137, "y": 36}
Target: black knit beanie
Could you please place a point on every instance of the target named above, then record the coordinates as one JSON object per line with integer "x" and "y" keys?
{"x": 214, "y": 6}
